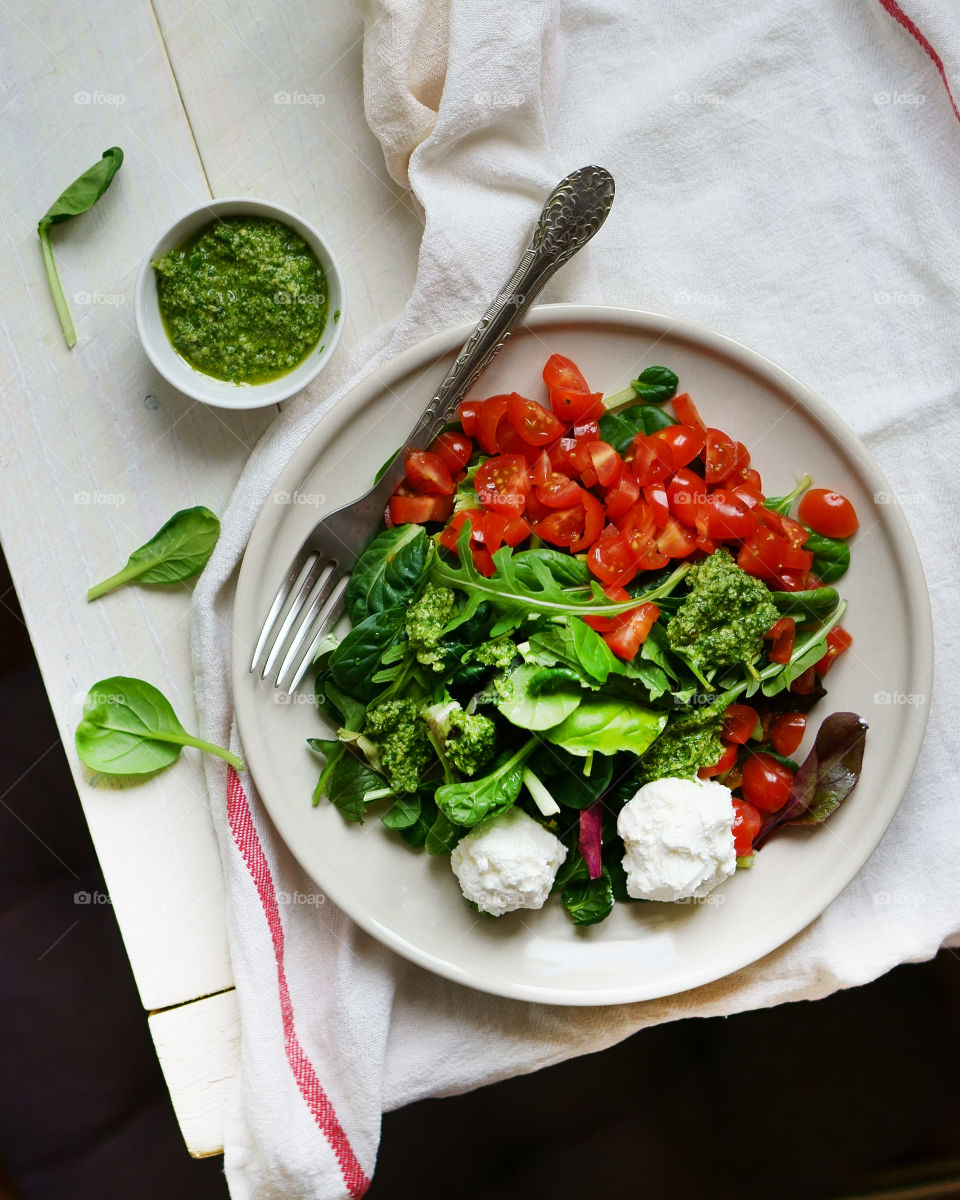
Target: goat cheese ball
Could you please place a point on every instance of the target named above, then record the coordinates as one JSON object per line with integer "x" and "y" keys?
{"x": 507, "y": 862}
{"x": 678, "y": 837}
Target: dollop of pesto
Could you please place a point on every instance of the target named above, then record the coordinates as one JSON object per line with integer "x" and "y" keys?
{"x": 724, "y": 617}
{"x": 244, "y": 300}
{"x": 690, "y": 741}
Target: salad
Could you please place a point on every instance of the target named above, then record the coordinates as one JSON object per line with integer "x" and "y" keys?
{"x": 584, "y": 649}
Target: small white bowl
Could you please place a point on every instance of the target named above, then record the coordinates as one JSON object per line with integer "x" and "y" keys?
{"x": 175, "y": 368}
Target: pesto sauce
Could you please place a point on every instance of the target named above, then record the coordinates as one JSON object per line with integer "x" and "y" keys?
{"x": 244, "y": 299}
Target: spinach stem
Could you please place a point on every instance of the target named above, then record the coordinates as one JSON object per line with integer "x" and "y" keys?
{"x": 187, "y": 739}
{"x": 59, "y": 300}
{"x": 117, "y": 580}
{"x": 618, "y": 399}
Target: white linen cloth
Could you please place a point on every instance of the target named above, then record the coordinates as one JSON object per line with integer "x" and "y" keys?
{"x": 786, "y": 173}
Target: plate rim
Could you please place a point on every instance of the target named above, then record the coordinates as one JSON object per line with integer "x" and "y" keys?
{"x": 418, "y": 357}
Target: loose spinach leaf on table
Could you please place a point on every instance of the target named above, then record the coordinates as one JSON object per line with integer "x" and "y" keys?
{"x": 356, "y": 660}
{"x": 80, "y": 196}
{"x": 129, "y": 728}
{"x": 179, "y": 550}
{"x": 388, "y": 572}
{"x": 620, "y": 428}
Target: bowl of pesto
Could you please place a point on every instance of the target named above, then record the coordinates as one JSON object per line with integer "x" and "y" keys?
{"x": 240, "y": 303}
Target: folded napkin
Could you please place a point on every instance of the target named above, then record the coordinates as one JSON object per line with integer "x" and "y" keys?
{"x": 786, "y": 173}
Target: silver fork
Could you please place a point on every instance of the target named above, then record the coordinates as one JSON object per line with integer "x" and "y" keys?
{"x": 310, "y": 599}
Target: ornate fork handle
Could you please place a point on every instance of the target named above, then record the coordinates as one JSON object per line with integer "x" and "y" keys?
{"x": 572, "y": 214}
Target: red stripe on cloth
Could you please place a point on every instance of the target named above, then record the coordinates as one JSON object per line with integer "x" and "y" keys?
{"x": 245, "y": 836}
{"x": 895, "y": 11}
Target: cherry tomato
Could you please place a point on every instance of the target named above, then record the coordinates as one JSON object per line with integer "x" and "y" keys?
{"x": 516, "y": 530}
{"x": 685, "y": 442}
{"x": 510, "y": 442}
{"x": 686, "y": 410}
{"x": 535, "y": 509}
{"x": 534, "y": 423}
{"x": 793, "y": 531}
{"x": 593, "y": 519}
{"x": 786, "y": 733}
{"x": 722, "y": 765}
{"x": 477, "y": 519}
{"x": 675, "y": 540}
{"x": 454, "y": 449}
{"x": 483, "y": 560}
{"x": 751, "y": 478}
{"x": 739, "y": 722}
{"x": 418, "y": 509}
{"x": 559, "y": 492}
{"x": 427, "y": 472}
{"x": 766, "y": 783}
{"x": 560, "y": 372}
{"x": 632, "y": 630}
{"x": 838, "y": 640}
{"x": 612, "y": 559}
{"x": 562, "y": 457}
{"x": 606, "y": 463}
{"x": 652, "y": 460}
{"x": 752, "y": 497}
{"x": 489, "y": 416}
{"x": 828, "y": 513}
{"x": 619, "y": 498}
{"x": 684, "y": 492}
{"x": 573, "y": 407}
{"x": 721, "y": 455}
{"x": 655, "y": 495}
{"x": 782, "y": 635}
{"x": 618, "y": 595}
{"x": 746, "y": 825}
{"x": 723, "y": 515}
{"x": 586, "y": 431}
{"x": 562, "y": 527}
{"x": 769, "y": 556}
{"x": 639, "y": 529}
{"x": 542, "y": 468}
{"x": 503, "y": 483}
{"x": 469, "y": 412}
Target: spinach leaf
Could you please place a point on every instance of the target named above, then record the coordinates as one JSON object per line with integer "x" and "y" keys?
{"x": 331, "y": 752}
{"x": 567, "y": 570}
{"x": 562, "y": 775}
{"x": 349, "y": 713}
{"x": 80, "y": 196}
{"x": 831, "y": 556}
{"x": 826, "y": 777}
{"x": 620, "y": 428}
{"x": 129, "y": 728}
{"x": 415, "y": 835}
{"x": 442, "y": 836}
{"x": 469, "y": 802}
{"x": 577, "y": 645}
{"x": 357, "y": 659}
{"x": 588, "y": 901}
{"x": 783, "y": 504}
{"x": 525, "y": 705}
{"x": 656, "y": 384}
{"x": 178, "y": 550}
{"x": 351, "y": 786}
{"x": 404, "y": 812}
{"x": 606, "y": 726}
{"x": 812, "y": 605}
{"x": 388, "y": 572}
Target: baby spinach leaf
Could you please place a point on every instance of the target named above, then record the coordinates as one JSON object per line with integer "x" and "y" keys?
{"x": 655, "y": 385}
{"x": 469, "y": 802}
{"x": 80, "y": 196}
{"x": 573, "y": 642}
{"x": 350, "y": 712}
{"x": 356, "y": 660}
{"x": 331, "y": 752}
{"x": 562, "y": 775}
{"x": 388, "y": 572}
{"x": 566, "y": 569}
{"x": 620, "y": 428}
{"x": 812, "y": 605}
{"x": 129, "y": 728}
{"x": 588, "y": 901}
{"x": 349, "y": 784}
{"x": 403, "y": 813}
{"x": 177, "y": 551}
{"x": 783, "y": 504}
{"x": 606, "y": 726}
{"x": 529, "y": 707}
{"x": 831, "y": 556}
{"x": 443, "y": 835}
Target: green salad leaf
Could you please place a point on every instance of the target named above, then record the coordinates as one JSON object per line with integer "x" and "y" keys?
{"x": 537, "y": 707}
{"x": 467, "y": 803}
{"x": 179, "y": 550}
{"x": 621, "y": 427}
{"x": 607, "y": 726}
{"x": 389, "y": 571}
{"x": 356, "y": 660}
{"x": 831, "y": 556}
{"x": 588, "y": 901}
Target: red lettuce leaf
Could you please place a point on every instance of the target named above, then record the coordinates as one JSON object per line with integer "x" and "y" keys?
{"x": 590, "y": 843}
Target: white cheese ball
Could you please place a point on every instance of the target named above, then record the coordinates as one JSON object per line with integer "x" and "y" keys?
{"x": 678, "y": 837}
{"x": 507, "y": 862}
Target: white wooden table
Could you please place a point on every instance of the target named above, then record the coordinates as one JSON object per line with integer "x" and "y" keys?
{"x": 96, "y": 450}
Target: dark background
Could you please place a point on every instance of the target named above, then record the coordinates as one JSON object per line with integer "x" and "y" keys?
{"x": 855, "y": 1095}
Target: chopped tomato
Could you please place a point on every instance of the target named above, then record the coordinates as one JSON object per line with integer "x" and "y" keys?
{"x": 675, "y": 540}
{"x": 469, "y": 413}
{"x": 618, "y": 595}
{"x": 418, "y": 509}
{"x": 559, "y": 492}
{"x": 560, "y": 372}
{"x": 652, "y": 460}
{"x": 769, "y": 557}
{"x": 722, "y": 765}
{"x": 828, "y": 513}
{"x": 838, "y": 641}
{"x": 684, "y": 492}
{"x": 747, "y": 822}
{"x": 586, "y": 431}
{"x": 639, "y": 529}
{"x": 503, "y": 483}
{"x": 489, "y": 416}
{"x": 655, "y": 495}
{"x": 427, "y": 472}
{"x": 786, "y": 733}
{"x": 782, "y": 635}
{"x": 793, "y": 531}
{"x": 766, "y": 783}
{"x": 624, "y": 493}
{"x": 535, "y": 509}
{"x": 723, "y": 515}
{"x": 510, "y": 442}
{"x": 562, "y": 457}
{"x": 454, "y": 449}
{"x": 542, "y": 468}
{"x": 685, "y": 442}
{"x": 750, "y": 495}
{"x": 476, "y": 517}
{"x": 741, "y": 459}
{"x": 573, "y": 407}
{"x": 686, "y": 410}
{"x": 534, "y": 423}
{"x": 516, "y": 530}
{"x": 606, "y": 463}
{"x": 739, "y": 722}
{"x": 563, "y": 526}
{"x": 721, "y": 455}
{"x": 483, "y": 560}
{"x": 750, "y": 477}
{"x": 612, "y": 559}
{"x": 632, "y": 630}
{"x": 593, "y": 519}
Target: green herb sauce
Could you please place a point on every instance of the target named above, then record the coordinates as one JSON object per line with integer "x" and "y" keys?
{"x": 243, "y": 300}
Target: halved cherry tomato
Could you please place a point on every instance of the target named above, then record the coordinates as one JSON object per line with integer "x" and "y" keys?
{"x": 624, "y": 493}
{"x": 684, "y": 492}
{"x": 560, "y": 372}
{"x": 652, "y": 460}
{"x": 586, "y": 431}
{"x": 573, "y": 407}
{"x": 769, "y": 557}
{"x": 724, "y": 515}
{"x": 516, "y": 530}
{"x": 427, "y": 472}
{"x": 606, "y": 462}
{"x": 593, "y": 518}
{"x": 739, "y": 722}
{"x": 675, "y": 540}
{"x": 655, "y": 495}
{"x": 559, "y": 492}
{"x": 535, "y": 509}
{"x": 766, "y": 783}
{"x": 618, "y": 595}
{"x": 722, "y": 765}
{"x": 721, "y": 455}
{"x": 510, "y": 442}
{"x": 419, "y": 509}
{"x": 685, "y": 442}
{"x": 793, "y": 531}
{"x": 639, "y": 529}
{"x": 503, "y": 483}
{"x": 542, "y": 468}
{"x": 483, "y": 560}
{"x": 786, "y": 733}
{"x": 612, "y": 559}
{"x": 454, "y": 449}
{"x": 838, "y": 640}
{"x": 747, "y": 822}
{"x": 686, "y": 410}
{"x": 489, "y": 416}
{"x": 828, "y": 513}
{"x": 782, "y": 635}
{"x": 750, "y": 477}
{"x": 469, "y": 412}
{"x": 563, "y": 526}
{"x": 632, "y": 630}
{"x": 477, "y": 519}
{"x": 534, "y": 423}
{"x": 741, "y": 459}
{"x": 562, "y": 457}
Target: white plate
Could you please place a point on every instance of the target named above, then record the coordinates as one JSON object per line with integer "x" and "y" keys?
{"x": 410, "y": 900}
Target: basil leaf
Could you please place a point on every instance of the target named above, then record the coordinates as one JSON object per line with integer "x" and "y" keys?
{"x": 620, "y": 428}
{"x": 656, "y": 385}
{"x": 607, "y": 726}
{"x": 388, "y": 572}
{"x": 528, "y": 707}
{"x": 588, "y": 901}
{"x": 177, "y": 551}
{"x": 831, "y": 556}
{"x": 80, "y": 196}
{"x": 129, "y": 728}
{"x": 357, "y": 659}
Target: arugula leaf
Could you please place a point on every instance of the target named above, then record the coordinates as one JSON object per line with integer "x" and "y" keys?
{"x": 606, "y": 726}
{"x": 566, "y": 569}
{"x": 389, "y": 571}
{"x": 620, "y": 428}
{"x": 527, "y": 706}
{"x": 129, "y": 728}
{"x": 589, "y": 901}
{"x": 177, "y": 551}
{"x": 80, "y": 196}
{"x": 356, "y": 660}
{"x": 831, "y": 556}
{"x": 469, "y": 802}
